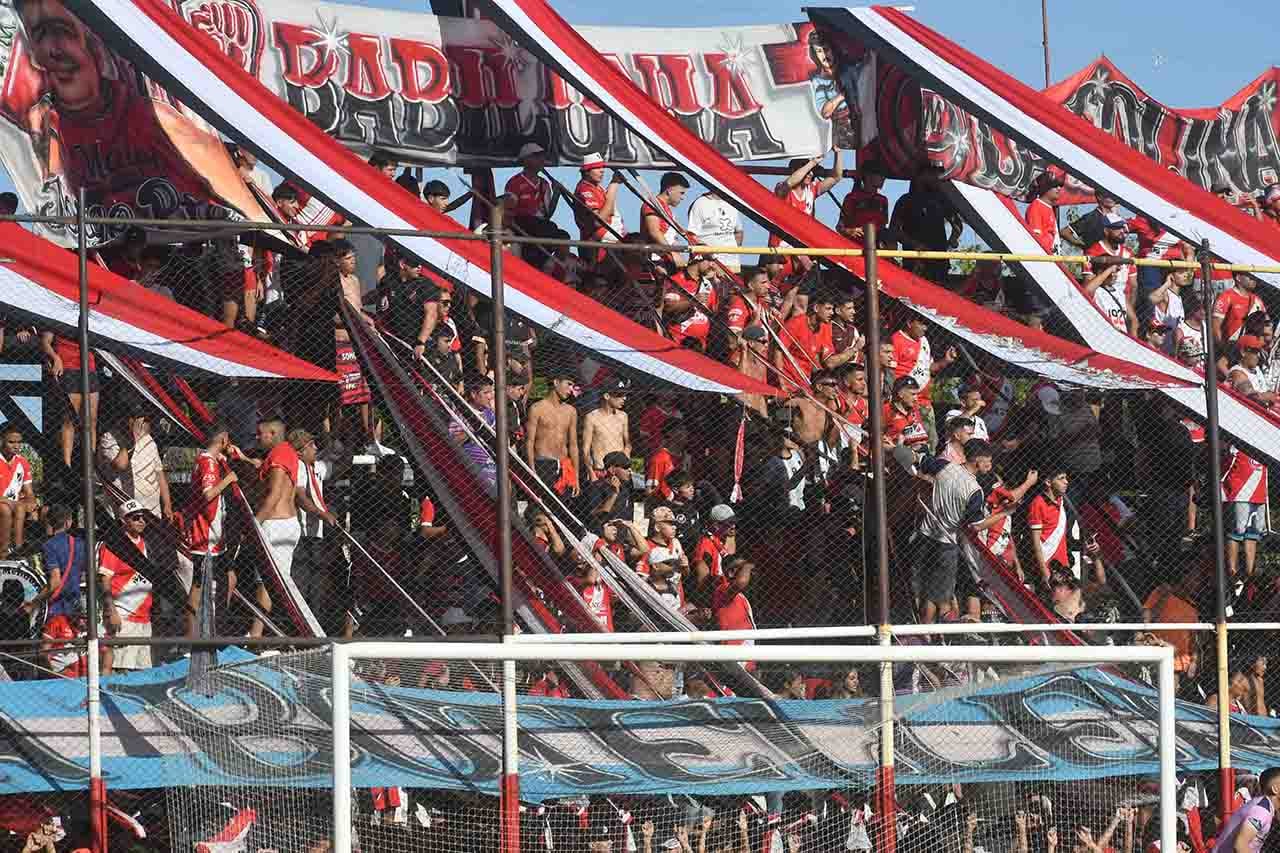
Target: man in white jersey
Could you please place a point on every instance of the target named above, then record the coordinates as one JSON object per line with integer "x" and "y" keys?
{"x": 1247, "y": 828}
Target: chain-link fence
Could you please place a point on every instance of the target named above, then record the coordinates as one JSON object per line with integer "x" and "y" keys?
{"x": 365, "y": 506}
{"x": 362, "y": 506}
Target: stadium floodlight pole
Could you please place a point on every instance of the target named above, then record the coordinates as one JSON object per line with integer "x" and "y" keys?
{"x": 509, "y": 826}
{"x": 97, "y": 792}
{"x": 1044, "y": 28}
{"x": 1226, "y": 777}
{"x": 884, "y": 796}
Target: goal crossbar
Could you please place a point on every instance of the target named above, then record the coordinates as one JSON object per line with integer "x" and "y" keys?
{"x": 345, "y": 654}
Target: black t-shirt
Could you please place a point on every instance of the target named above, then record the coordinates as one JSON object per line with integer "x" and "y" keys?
{"x": 923, "y": 215}
{"x": 446, "y": 364}
{"x": 688, "y": 524}
{"x": 1089, "y": 227}
{"x": 405, "y": 301}
{"x": 598, "y": 492}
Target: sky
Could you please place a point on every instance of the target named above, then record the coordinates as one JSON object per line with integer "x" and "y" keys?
{"x": 1183, "y": 54}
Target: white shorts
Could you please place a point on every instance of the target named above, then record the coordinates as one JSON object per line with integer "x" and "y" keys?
{"x": 132, "y": 657}
{"x": 1247, "y": 520}
{"x": 282, "y": 535}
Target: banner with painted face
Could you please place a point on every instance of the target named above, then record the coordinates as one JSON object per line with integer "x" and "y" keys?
{"x": 76, "y": 116}
{"x": 419, "y": 87}
{"x": 266, "y": 722}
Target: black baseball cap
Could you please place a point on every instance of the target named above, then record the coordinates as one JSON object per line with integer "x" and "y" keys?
{"x": 617, "y": 459}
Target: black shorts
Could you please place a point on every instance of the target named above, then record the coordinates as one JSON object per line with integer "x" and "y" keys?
{"x": 70, "y": 381}
{"x": 936, "y": 566}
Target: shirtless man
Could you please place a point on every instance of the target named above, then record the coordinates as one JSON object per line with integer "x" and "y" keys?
{"x": 277, "y": 510}
{"x": 355, "y": 391}
{"x": 551, "y": 445}
{"x": 605, "y": 430}
{"x": 814, "y": 428}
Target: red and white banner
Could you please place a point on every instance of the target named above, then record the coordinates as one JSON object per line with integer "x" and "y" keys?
{"x": 40, "y": 284}
{"x": 998, "y": 222}
{"x": 189, "y": 63}
{"x": 562, "y": 47}
{"x": 1233, "y": 143}
{"x": 424, "y": 88}
{"x": 1028, "y": 118}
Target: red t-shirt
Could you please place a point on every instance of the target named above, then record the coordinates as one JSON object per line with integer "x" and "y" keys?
{"x": 1122, "y": 280}
{"x": 1042, "y": 222}
{"x": 733, "y": 610}
{"x": 284, "y": 457}
{"x": 205, "y": 518}
{"x": 598, "y": 598}
{"x": 740, "y": 314}
{"x": 660, "y": 464}
{"x": 1154, "y": 241}
{"x": 906, "y": 424}
{"x": 692, "y": 323}
{"x": 800, "y": 199}
{"x": 711, "y": 548}
{"x": 130, "y": 590}
{"x": 592, "y": 197}
{"x": 862, "y": 206}
{"x": 913, "y": 358}
{"x": 1232, "y": 307}
{"x": 533, "y": 196}
{"x": 808, "y": 347}
{"x": 15, "y": 475}
{"x": 69, "y": 351}
{"x": 1047, "y": 520}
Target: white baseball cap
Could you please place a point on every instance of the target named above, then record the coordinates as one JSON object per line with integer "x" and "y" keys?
{"x": 131, "y": 506}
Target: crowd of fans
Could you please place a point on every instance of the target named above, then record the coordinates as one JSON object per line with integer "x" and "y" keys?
{"x": 736, "y": 513}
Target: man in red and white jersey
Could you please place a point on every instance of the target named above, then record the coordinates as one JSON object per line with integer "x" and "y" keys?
{"x": 598, "y": 597}
{"x": 528, "y": 194}
{"x": 655, "y": 222}
{"x": 913, "y": 357}
{"x": 1109, "y": 283}
{"x": 805, "y": 343}
{"x": 1047, "y": 518}
{"x": 17, "y": 498}
{"x": 801, "y": 191}
{"x": 1154, "y": 243}
{"x": 1042, "y": 212}
{"x": 684, "y": 296}
{"x": 131, "y": 591}
{"x": 1233, "y": 305}
{"x": 1244, "y": 491}
{"x": 597, "y": 205}
{"x": 902, "y": 421}
{"x": 205, "y": 517}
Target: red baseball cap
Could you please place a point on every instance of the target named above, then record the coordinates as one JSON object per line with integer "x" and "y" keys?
{"x": 1249, "y": 342}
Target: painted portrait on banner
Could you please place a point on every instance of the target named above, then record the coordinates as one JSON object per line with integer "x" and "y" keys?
{"x": 75, "y": 115}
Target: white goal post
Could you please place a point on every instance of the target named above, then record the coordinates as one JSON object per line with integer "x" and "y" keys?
{"x": 346, "y": 655}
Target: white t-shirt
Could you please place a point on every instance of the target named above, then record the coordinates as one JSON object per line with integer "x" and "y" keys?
{"x": 715, "y": 222}
{"x": 313, "y": 525}
{"x": 1171, "y": 315}
{"x": 147, "y": 469}
{"x": 979, "y": 425}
